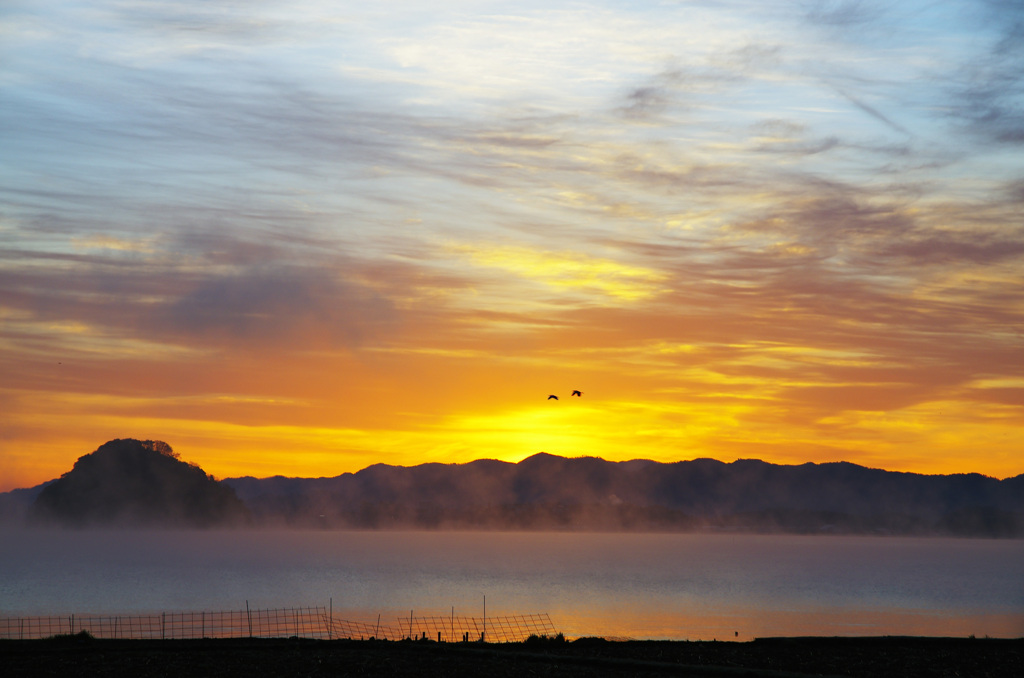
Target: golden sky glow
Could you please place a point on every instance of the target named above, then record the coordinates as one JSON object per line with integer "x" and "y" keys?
{"x": 302, "y": 241}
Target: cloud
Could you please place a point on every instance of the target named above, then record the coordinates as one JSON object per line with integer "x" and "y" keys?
{"x": 232, "y": 292}
{"x": 978, "y": 248}
{"x": 843, "y": 13}
{"x": 874, "y": 113}
{"x": 645, "y": 102}
{"x": 571, "y": 271}
{"x": 277, "y": 305}
{"x": 987, "y": 92}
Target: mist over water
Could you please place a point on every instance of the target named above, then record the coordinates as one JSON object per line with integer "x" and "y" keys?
{"x": 624, "y": 585}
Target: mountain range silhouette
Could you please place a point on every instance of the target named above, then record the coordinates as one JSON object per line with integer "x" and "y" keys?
{"x": 130, "y": 482}
{"x": 551, "y": 492}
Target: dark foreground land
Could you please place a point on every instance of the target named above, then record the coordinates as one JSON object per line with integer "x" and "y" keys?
{"x": 773, "y": 657}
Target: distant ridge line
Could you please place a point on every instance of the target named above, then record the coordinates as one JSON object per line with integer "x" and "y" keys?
{"x": 634, "y": 461}
{"x": 546, "y": 491}
{"x": 541, "y": 492}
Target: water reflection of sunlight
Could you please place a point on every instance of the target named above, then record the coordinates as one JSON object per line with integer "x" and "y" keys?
{"x": 657, "y": 586}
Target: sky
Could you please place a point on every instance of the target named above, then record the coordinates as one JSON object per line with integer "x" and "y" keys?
{"x": 303, "y": 238}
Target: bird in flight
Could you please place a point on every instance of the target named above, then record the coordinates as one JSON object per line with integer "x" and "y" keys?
{"x": 577, "y": 393}
{"x": 552, "y": 396}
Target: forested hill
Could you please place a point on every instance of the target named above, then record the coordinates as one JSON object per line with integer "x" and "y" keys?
{"x": 136, "y": 483}
{"x": 550, "y": 492}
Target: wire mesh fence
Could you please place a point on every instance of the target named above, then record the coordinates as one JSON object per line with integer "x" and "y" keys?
{"x": 302, "y": 622}
{"x": 504, "y": 629}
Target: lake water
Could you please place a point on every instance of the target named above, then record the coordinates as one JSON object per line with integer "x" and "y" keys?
{"x": 675, "y": 586}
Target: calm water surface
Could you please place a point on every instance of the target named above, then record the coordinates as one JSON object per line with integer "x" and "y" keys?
{"x": 622, "y": 585}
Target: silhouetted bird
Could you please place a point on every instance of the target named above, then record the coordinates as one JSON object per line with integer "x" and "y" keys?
{"x": 576, "y": 393}
{"x": 552, "y": 396}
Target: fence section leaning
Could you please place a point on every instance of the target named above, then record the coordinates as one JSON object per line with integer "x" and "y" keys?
{"x": 504, "y": 629}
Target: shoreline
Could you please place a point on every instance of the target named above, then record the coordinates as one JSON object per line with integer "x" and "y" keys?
{"x": 82, "y": 655}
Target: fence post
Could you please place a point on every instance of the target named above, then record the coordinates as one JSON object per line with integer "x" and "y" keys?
{"x": 163, "y": 626}
{"x": 249, "y": 617}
